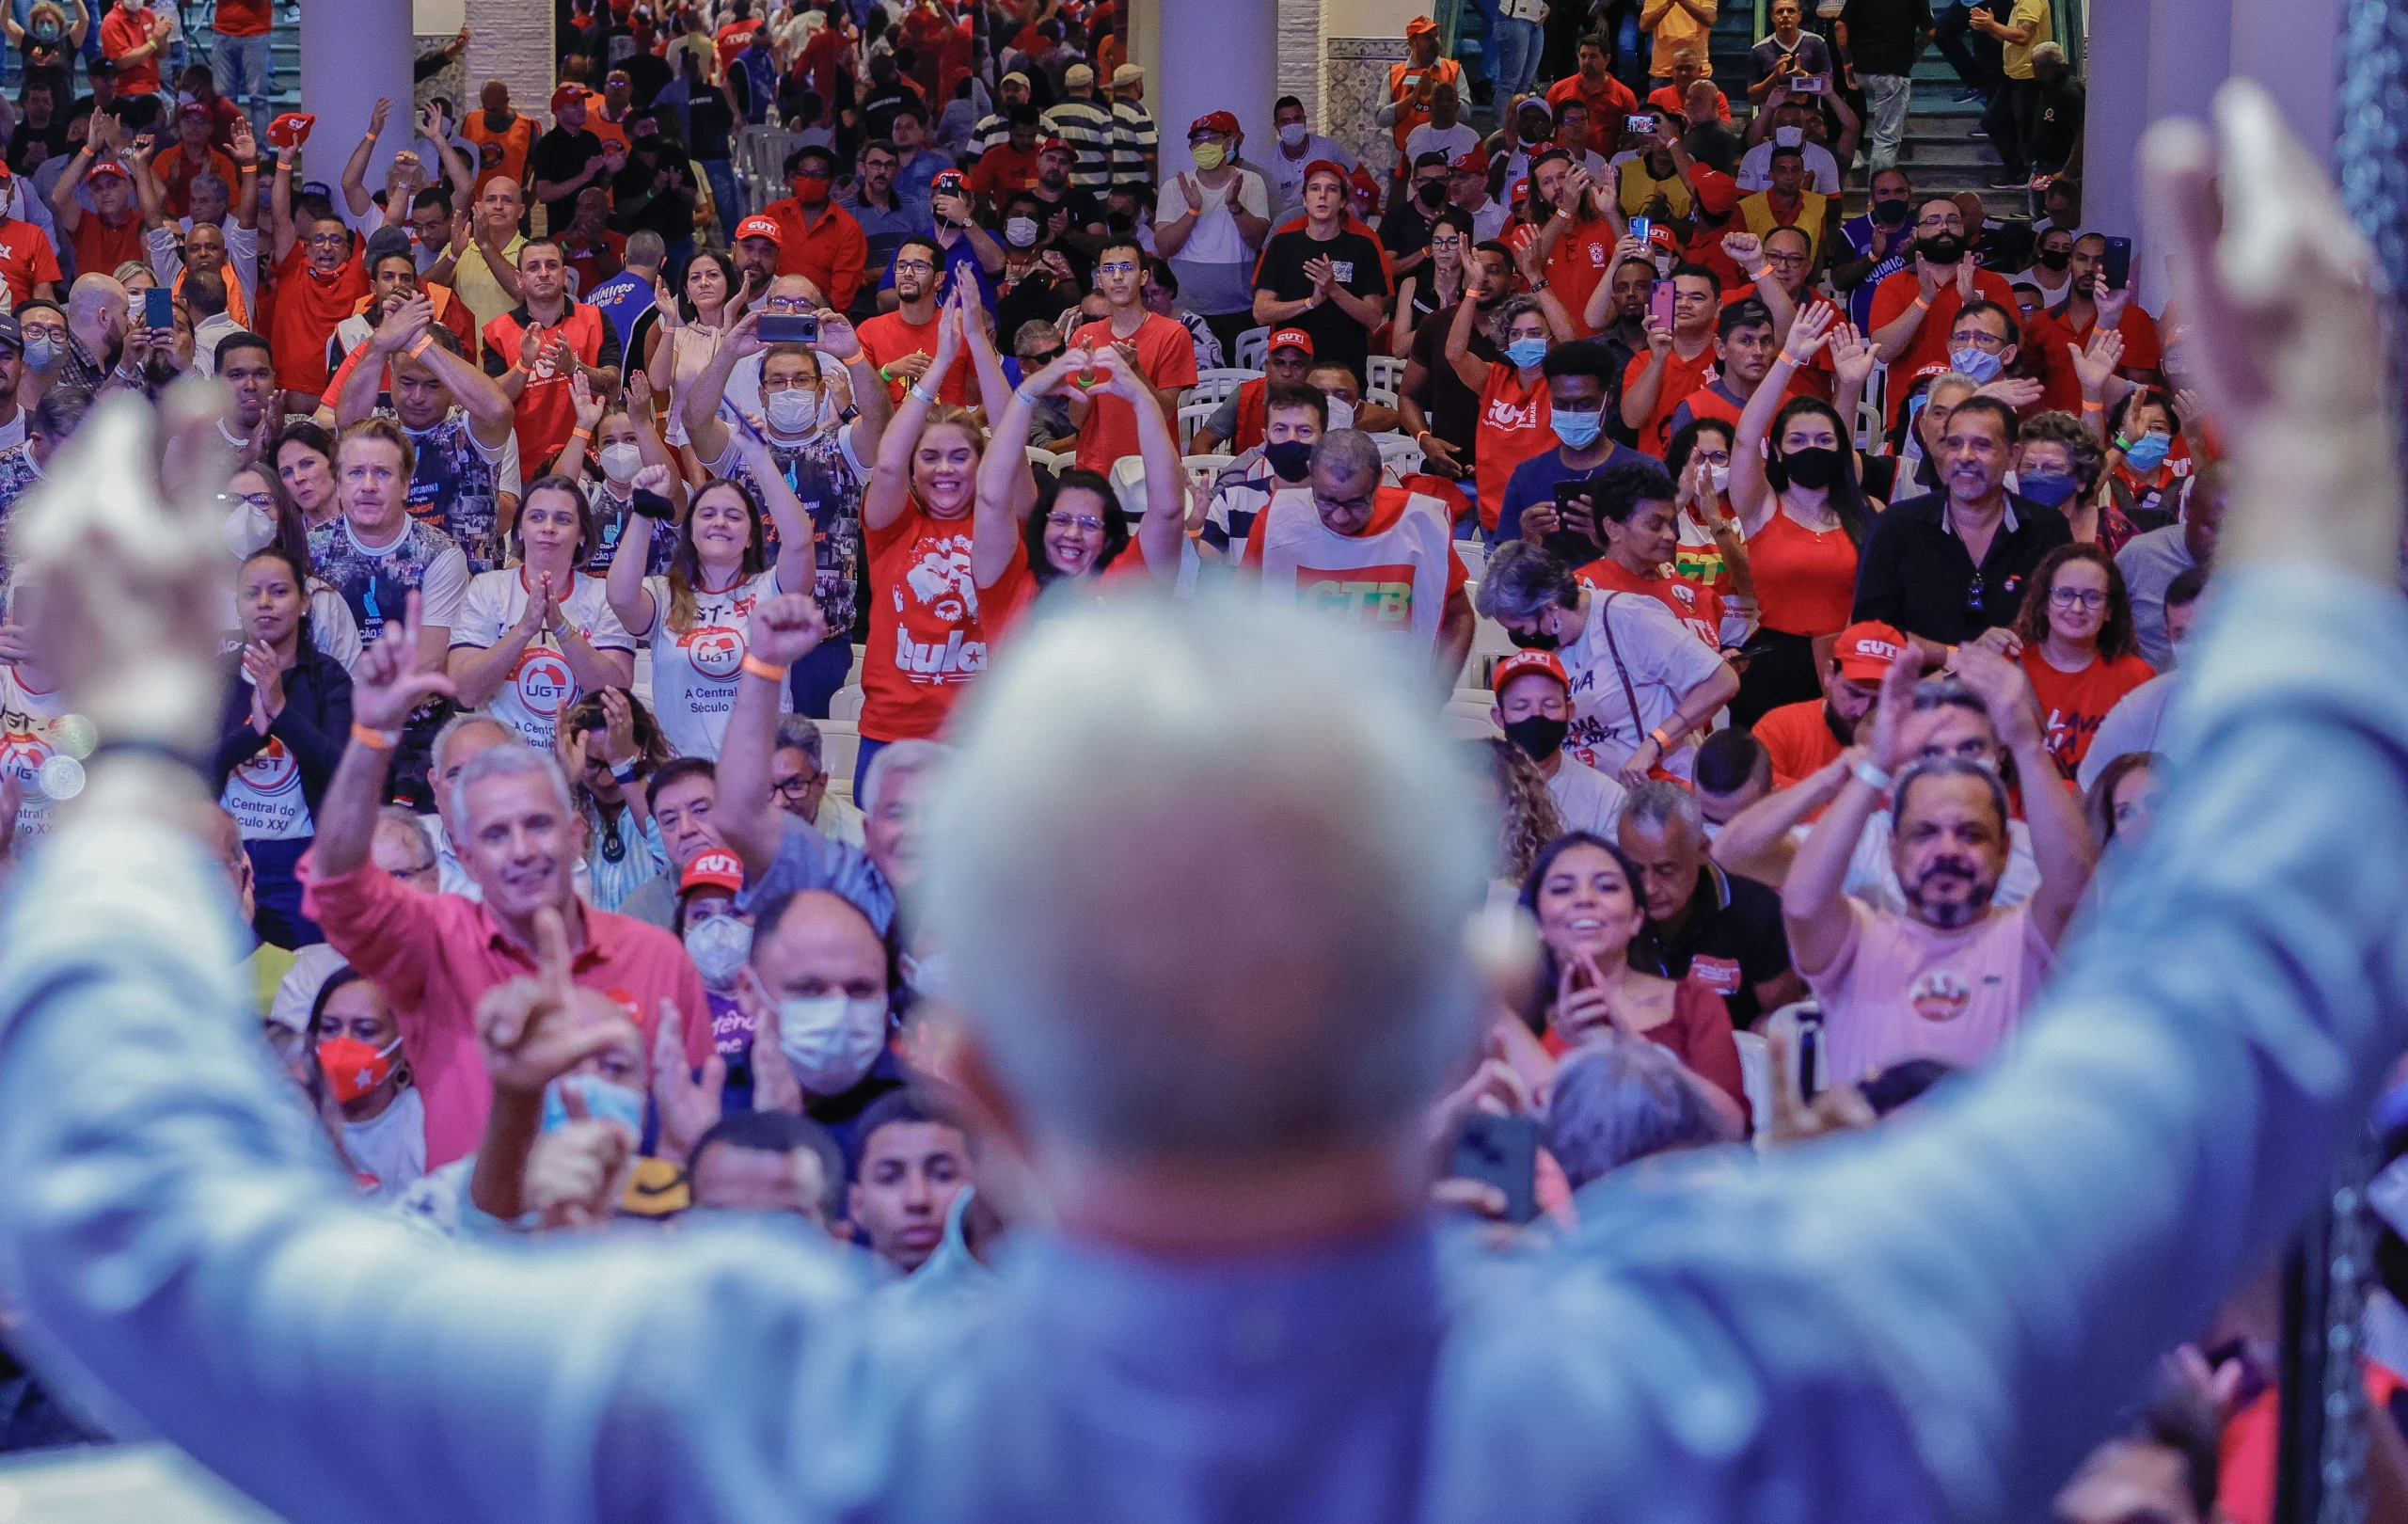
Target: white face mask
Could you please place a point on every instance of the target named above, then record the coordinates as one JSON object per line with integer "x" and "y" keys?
{"x": 620, "y": 462}
{"x": 247, "y": 529}
{"x": 1789, "y": 136}
{"x": 719, "y": 946}
{"x": 1719, "y": 476}
{"x": 831, "y": 1041}
{"x": 1341, "y": 413}
{"x": 1020, "y": 232}
{"x": 1293, "y": 135}
{"x": 792, "y": 411}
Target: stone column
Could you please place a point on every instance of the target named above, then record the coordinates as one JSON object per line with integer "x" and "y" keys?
{"x": 354, "y": 51}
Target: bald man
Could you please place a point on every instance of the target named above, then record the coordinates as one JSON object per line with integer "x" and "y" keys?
{"x": 96, "y": 327}
{"x": 484, "y": 271}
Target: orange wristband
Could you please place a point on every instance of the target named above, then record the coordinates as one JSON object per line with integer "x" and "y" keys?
{"x": 759, "y": 668}
{"x": 375, "y": 740}
{"x": 421, "y": 347}
{"x": 586, "y": 434}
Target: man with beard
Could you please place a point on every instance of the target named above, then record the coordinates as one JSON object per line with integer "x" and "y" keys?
{"x": 1914, "y": 310}
{"x": 1803, "y": 739}
{"x": 903, "y": 343}
{"x": 885, "y": 217}
{"x": 816, "y": 237}
{"x": 1950, "y": 978}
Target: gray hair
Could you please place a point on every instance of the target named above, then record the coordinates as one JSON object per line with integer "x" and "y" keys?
{"x": 1035, "y": 331}
{"x": 2049, "y": 53}
{"x": 1347, "y": 454}
{"x": 1500, "y": 323}
{"x": 1945, "y": 766}
{"x": 1658, "y": 803}
{"x": 1523, "y": 581}
{"x": 1619, "y": 1098}
{"x": 512, "y": 758}
{"x": 645, "y": 249}
{"x": 1257, "y": 759}
{"x": 895, "y": 764}
{"x": 400, "y": 818}
{"x": 451, "y": 728}
{"x": 201, "y": 183}
{"x": 798, "y": 732}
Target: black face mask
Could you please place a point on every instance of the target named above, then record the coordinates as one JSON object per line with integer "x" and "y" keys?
{"x": 2055, "y": 259}
{"x": 1289, "y": 459}
{"x": 1433, "y": 194}
{"x": 1119, "y": 222}
{"x": 1812, "y": 469}
{"x": 1890, "y": 212}
{"x": 1941, "y": 248}
{"x": 1538, "y": 737}
{"x": 1540, "y": 642}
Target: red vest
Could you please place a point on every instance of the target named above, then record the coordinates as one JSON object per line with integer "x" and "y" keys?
{"x": 547, "y": 412}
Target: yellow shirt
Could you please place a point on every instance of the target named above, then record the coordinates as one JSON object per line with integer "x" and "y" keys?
{"x": 1758, "y": 213}
{"x": 1639, "y": 187}
{"x": 473, "y": 281}
{"x": 1675, "y": 31}
{"x": 2018, "y": 55}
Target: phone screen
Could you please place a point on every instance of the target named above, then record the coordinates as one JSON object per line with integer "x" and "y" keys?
{"x": 2117, "y": 266}
{"x": 158, "y": 307}
{"x": 1659, "y": 302}
{"x": 1641, "y": 228}
{"x": 1503, "y": 1151}
{"x": 789, "y": 328}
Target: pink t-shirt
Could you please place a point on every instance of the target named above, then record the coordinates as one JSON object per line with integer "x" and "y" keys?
{"x": 1900, "y": 990}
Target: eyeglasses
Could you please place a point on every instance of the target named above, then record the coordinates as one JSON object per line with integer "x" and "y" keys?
{"x": 248, "y": 499}
{"x": 1346, "y": 505}
{"x": 1086, "y": 523}
{"x": 793, "y": 304}
{"x": 798, "y": 786}
{"x": 1786, "y": 261}
{"x": 923, "y": 267}
{"x": 327, "y": 240}
{"x": 1949, "y": 219}
{"x": 2077, "y": 598}
{"x": 1116, "y": 267}
{"x": 1455, "y": 242}
{"x": 1989, "y": 342}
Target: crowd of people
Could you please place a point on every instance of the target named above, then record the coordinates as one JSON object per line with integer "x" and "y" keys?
{"x": 610, "y": 552}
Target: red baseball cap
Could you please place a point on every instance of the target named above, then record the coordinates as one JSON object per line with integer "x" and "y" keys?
{"x": 1522, "y": 663}
{"x": 1363, "y": 182}
{"x": 1329, "y": 166}
{"x": 291, "y": 129}
{"x": 106, "y": 166}
{"x": 1470, "y": 162}
{"x": 1051, "y": 145}
{"x": 716, "y": 868}
{"x": 760, "y": 227}
{"x": 567, "y": 94}
{"x": 950, "y": 181}
{"x": 1518, "y": 189}
{"x": 1864, "y": 652}
{"x": 1291, "y": 338}
{"x": 1222, "y": 123}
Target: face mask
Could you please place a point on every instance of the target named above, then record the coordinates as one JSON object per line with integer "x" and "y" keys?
{"x": 620, "y": 462}
{"x": 1526, "y": 353}
{"x": 354, "y": 1068}
{"x": 1890, "y": 212}
{"x": 1980, "y": 364}
{"x": 809, "y": 187}
{"x": 1432, "y": 194}
{"x": 1542, "y": 640}
{"x": 1812, "y": 469}
{"x": 1942, "y": 248}
{"x": 2046, "y": 488}
{"x": 1293, "y": 135}
{"x": 1207, "y": 156}
{"x": 1289, "y": 459}
{"x": 1789, "y": 136}
{"x": 1341, "y": 413}
{"x": 2055, "y": 259}
{"x": 1719, "y": 476}
{"x": 1020, "y": 232}
{"x": 2148, "y": 453}
{"x": 43, "y": 353}
{"x": 719, "y": 946}
{"x": 792, "y": 411}
{"x": 1538, "y": 737}
{"x": 1578, "y": 431}
{"x": 604, "y": 1102}
{"x": 831, "y": 1041}
{"x": 247, "y": 529}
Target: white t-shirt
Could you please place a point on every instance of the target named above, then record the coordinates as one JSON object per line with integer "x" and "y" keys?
{"x": 1215, "y": 239}
{"x": 1287, "y": 175}
{"x": 1755, "y": 168}
{"x": 1454, "y": 142}
{"x": 693, "y": 674}
{"x": 26, "y": 721}
{"x": 392, "y": 1145}
{"x": 1585, "y": 799}
{"x": 1663, "y": 658}
{"x": 530, "y": 699}
{"x": 263, "y": 795}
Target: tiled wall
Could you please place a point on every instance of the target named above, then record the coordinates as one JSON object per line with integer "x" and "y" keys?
{"x": 1355, "y": 85}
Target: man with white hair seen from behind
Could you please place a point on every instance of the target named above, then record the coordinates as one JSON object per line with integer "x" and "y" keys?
{"x": 1703, "y": 923}
{"x": 1618, "y": 1099}
{"x": 435, "y": 956}
{"x": 1237, "y": 1290}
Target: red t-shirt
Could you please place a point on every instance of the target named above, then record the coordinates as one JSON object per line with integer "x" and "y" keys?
{"x": 1003, "y": 170}
{"x": 890, "y": 336}
{"x": 1166, "y": 357}
{"x": 26, "y": 258}
{"x": 929, "y": 621}
{"x": 1669, "y": 97}
{"x": 1583, "y": 258}
{"x": 1694, "y": 604}
{"x": 122, "y": 33}
{"x": 2073, "y": 703}
{"x": 1514, "y": 425}
{"x": 1805, "y": 581}
{"x": 1607, "y": 103}
{"x": 733, "y": 39}
{"x": 2141, "y": 351}
{"x": 177, "y": 176}
{"x": 1929, "y": 346}
{"x": 1681, "y": 378}
{"x": 100, "y": 248}
{"x": 1796, "y": 739}
{"x": 244, "y": 18}
{"x": 1388, "y": 508}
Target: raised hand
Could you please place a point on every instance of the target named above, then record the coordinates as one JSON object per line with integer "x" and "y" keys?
{"x": 618, "y": 728}
{"x": 1893, "y": 712}
{"x": 2016, "y": 392}
{"x": 1746, "y": 249}
{"x": 402, "y": 326}
{"x": 837, "y": 339}
{"x": 245, "y": 148}
{"x": 687, "y": 1106}
{"x": 666, "y": 305}
{"x": 377, "y": 118}
{"x": 655, "y": 479}
{"x": 386, "y": 682}
{"x": 1808, "y": 332}
{"x": 2014, "y": 712}
{"x": 1852, "y": 358}
{"x": 573, "y": 1173}
{"x": 774, "y": 1085}
{"x": 581, "y": 397}
{"x": 2096, "y": 365}
{"x": 786, "y": 627}
{"x": 529, "y": 1028}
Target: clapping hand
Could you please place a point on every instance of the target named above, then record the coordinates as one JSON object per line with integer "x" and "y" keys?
{"x": 774, "y": 1085}
{"x": 689, "y": 1107}
{"x": 2015, "y": 713}
{"x": 666, "y": 305}
{"x": 1898, "y": 735}
{"x": 267, "y": 684}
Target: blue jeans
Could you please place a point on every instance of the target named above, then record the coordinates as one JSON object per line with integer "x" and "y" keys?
{"x": 861, "y": 764}
{"x": 815, "y": 679}
{"x": 243, "y": 69}
{"x": 1516, "y": 46}
{"x": 1886, "y": 99}
{"x": 275, "y": 888}
{"x": 721, "y": 174}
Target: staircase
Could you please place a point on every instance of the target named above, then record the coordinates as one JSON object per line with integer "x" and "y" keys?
{"x": 284, "y": 48}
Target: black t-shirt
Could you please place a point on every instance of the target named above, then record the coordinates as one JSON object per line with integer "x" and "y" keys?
{"x": 671, "y": 211}
{"x": 1039, "y": 298}
{"x": 707, "y": 123}
{"x": 1338, "y": 338}
{"x": 29, "y": 145}
{"x": 877, "y": 107}
{"x": 2056, "y": 125}
{"x": 1405, "y": 232}
{"x": 1452, "y": 407}
{"x": 1881, "y": 34}
{"x": 1731, "y": 941}
{"x": 561, "y": 155}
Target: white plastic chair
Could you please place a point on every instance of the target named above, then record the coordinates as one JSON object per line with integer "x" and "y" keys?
{"x": 1194, "y": 416}
{"x": 1474, "y": 553}
{"x": 1755, "y": 1080}
{"x": 1203, "y": 471}
{"x": 845, "y": 704}
{"x": 840, "y": 746}
{"x": 1129, "y": 480}
{"x": 1216, "y": 386}
{"x": 1461, "y": 726}
{"x": 1051, "y": 462}
{"x": 1398, "y": 453}
{"x": 861, "y": 659}
{"x": 1382, "y": 373}
{"x": 1488, "y": 638}
{"x": 1254, "y": 347}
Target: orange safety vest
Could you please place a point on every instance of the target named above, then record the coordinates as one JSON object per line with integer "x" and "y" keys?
{"x": 547, "y": 410}
{"x": 236, "y": 307}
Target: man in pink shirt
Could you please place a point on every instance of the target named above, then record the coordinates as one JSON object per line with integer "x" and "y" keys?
{"x": 435, "y": 956}
{"x": 1952, "y": 977}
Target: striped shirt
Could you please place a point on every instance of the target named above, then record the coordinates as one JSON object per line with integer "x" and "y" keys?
{"x": 1133, "y": 140}
{"x": 1087, "y": 128}
{"x": 993, "y": 130}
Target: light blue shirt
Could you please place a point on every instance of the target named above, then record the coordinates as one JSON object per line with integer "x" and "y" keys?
{"x": 1935, "y": 1320}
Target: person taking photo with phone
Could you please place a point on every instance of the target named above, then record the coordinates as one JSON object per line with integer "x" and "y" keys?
{"x": 2101, "y": 293}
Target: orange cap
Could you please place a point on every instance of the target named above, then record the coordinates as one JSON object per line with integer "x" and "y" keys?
{"x": 1864, "y": 652}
